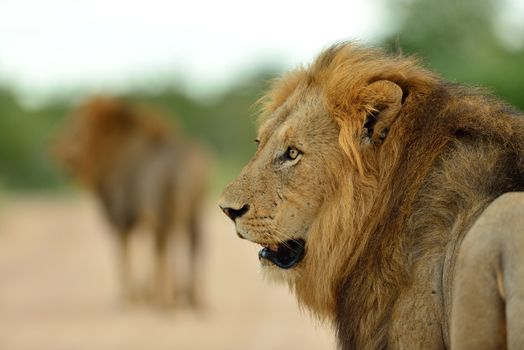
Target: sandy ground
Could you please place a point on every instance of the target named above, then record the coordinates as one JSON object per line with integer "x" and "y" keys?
{"x": 58, "y": 289}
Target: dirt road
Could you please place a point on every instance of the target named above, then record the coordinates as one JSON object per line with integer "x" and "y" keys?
{"x": 58, "y": 289}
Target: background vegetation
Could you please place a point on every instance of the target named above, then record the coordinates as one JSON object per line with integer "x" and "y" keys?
{"x": 466, "y": 41}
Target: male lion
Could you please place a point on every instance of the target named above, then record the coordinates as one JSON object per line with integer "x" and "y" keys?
{"x": 369, "y": 173}
{"x": 143, "y": 173}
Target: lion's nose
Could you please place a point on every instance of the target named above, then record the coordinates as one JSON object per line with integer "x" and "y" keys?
{"x": 234, "y": 213}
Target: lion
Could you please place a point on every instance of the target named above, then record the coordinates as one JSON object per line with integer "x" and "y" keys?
{"x": 145, "y": 173}
{"x": 370, "y": 172}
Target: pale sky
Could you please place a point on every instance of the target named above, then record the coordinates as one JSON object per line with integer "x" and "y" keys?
{"x": 109, "y": 44}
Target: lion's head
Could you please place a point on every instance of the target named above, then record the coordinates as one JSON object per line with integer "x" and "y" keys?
{"x": 96, "y": 132}
{"x": 325, "y": 138}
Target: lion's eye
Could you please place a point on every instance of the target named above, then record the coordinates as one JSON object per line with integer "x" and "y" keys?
{"x": 257, "y": 141}
{"x": 292, "y": 153}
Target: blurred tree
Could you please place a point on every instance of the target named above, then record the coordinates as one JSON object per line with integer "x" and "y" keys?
{"x": 23, "y": 135}
{"x": 459, "y": 39}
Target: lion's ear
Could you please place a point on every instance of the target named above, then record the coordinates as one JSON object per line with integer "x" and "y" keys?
{"x": 384, "y": 101}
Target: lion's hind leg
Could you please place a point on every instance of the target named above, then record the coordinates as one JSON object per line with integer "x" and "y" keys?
{"x": 513, "y": 277}
{"x": 194, "y": 288}
{"x": 488, "y": 291}
{"x": 163, "y": 288}
{"x": 126, "y": 276}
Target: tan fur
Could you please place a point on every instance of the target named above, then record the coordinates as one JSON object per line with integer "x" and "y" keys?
{"x": 145, "y": 173}
{"x": 396, "y": 165}
{"x": 490, "y": 267}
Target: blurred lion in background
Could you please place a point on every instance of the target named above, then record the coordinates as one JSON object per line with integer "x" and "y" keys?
{"x": 144, "y": 173}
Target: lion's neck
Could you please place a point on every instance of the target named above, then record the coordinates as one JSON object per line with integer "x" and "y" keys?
{"x": 450, "y": 200}
{"x": 398, "y": 293}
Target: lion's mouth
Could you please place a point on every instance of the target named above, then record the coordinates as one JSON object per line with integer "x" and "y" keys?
{"x": 285, "y": 255}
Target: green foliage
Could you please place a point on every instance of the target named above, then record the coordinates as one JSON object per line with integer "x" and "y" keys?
{"x": 24, "y": 135}
{"x": 459, "y": 39}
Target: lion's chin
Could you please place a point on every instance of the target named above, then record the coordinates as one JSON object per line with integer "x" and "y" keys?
{"x": 285, "y": 255}
{"x": 275, "y": 275}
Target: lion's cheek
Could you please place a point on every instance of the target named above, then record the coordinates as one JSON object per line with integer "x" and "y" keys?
{"x": 296, "y": 222}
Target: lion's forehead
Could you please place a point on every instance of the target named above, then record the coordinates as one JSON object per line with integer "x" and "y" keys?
{"x": 285, "y": 131}
{"x": 293, "y": 120}
{"x": 273, "y": 122}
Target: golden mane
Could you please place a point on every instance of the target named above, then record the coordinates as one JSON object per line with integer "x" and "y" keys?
{"x": 100, "y": 127}
{"x": 343, "y": 72}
